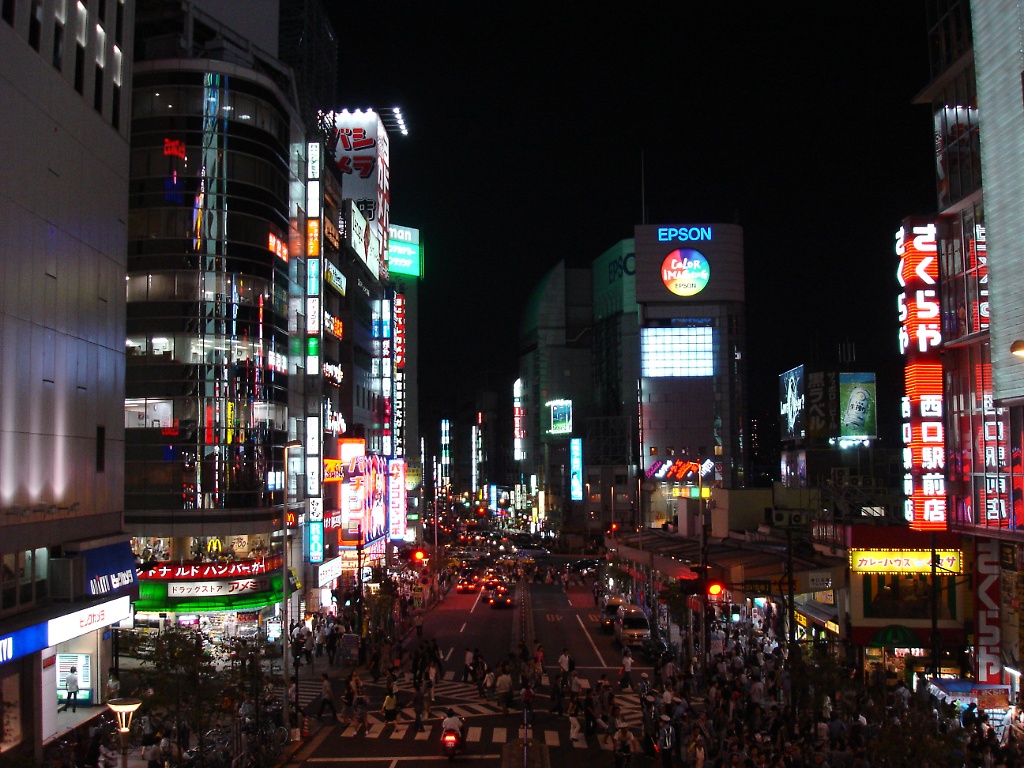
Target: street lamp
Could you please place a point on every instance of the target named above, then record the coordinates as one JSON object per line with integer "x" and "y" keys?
{"x": 285, "y": 633}
{"x": 124, "y": 709}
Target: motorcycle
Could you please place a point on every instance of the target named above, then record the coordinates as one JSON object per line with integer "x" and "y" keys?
{"x": 451, "y": 743}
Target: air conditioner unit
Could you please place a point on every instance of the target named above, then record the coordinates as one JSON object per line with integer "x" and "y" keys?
{"x": 67, "y": 578}
{"x": 780, "y": 517}
{"x": 796, "y": 517}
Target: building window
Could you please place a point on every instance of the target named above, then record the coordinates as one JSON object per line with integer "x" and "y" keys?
{"x": 101, "y": 449}
{"x": 58, "y": 46}
{"x": 115, "y": 107}
{"x": 8, "y": 11}
{"x": 80, "y": 68}
{"x": 97, "y": 98}
{"x": 35, "y": 24}
{"x": 677, "y": 352}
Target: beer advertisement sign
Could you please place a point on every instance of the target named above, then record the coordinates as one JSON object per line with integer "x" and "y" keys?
{"x": 857, "y": 401}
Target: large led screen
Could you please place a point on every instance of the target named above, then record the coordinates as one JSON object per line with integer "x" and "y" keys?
{"x": 679, "y": 352}
{"x": 857, "y": 399}
{"x": 561, "y": 417}
{"x": 576, "y": 469}
{"x": 792, "y": 412}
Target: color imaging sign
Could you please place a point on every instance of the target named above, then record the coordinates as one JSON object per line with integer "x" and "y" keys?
{"x": 920, "y": 340}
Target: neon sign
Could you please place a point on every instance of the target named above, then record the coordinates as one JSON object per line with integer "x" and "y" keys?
{"x": 920, "y": 340}
{"x": 669, "y": 234}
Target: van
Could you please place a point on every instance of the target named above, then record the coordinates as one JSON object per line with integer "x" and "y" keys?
{"x": 632, "y": 629}
{"x": 610, "y": 610}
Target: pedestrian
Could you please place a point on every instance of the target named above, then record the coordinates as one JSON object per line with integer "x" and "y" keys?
{"x": 624, "y": 744}
{"x": 332, "y": 643}
{"x": 556, "y": 696}
{"x": 573, "y": 711}
{"x": 526, "y": 694}
{"x": 467, "y": 668}
{"x": 320, "y": 639}
{"x": 418, "y": 705}
{"x": 307, "y": 646}
{"x": 71, "y": 687}
{"x": 503, "y": 689}
{"x": 666, "y": 741}
{"x": 625, "y": 672}
{"x": 327, "y": 698}
{"x": 390, "y": 707}
{"x": 361, "y": 710}
{"x": 418, "y": 623}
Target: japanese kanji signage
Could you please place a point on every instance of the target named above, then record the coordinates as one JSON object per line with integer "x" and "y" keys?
{"x": 920, "y": 339}
{"x": 238, "y": 569}
{"x": 218, "y": 588}
{"x": 905, "y": 561}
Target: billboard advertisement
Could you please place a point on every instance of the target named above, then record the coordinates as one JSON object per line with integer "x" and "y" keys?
{"x": 792, "y": 405}
{"x": 857, "y": 399}
{"x": 363, "y": 498}
{"x": 405, "y": 255}
{"x": 687, "y": 262}
{"x": 397, "y": 500}
{"x": 363, "y": 154}
{"x": 576, "y": 469}
{"x": 561, "y": 417}
{"x": 920, "y": 343}
{"x": 358, "y": 235}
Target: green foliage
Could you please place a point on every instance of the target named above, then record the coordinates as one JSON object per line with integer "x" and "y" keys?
{"x": 183, "y": 680}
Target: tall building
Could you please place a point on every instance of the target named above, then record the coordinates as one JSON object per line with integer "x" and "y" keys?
{"x": 66, "y": 570}
{"x": 216, "y": 249}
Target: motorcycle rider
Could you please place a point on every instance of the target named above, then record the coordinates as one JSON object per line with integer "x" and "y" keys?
{"x": 452, "y": 722}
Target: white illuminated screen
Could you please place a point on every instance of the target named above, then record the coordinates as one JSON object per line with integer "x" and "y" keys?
{"x": 676, "y": 352}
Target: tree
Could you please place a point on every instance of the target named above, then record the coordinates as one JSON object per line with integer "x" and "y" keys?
{"x": 182, "y": 678}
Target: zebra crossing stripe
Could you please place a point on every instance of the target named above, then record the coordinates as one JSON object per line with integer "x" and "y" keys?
{"x": 500, "y": 736}
{"x": 474, "y": 734}
{"x": 376, "y": 729}
{"x": 449, "y": 675}
{"x": 399, "y": 732}
{"x": 423, "y": 735}
{"x": 551, "y": 738}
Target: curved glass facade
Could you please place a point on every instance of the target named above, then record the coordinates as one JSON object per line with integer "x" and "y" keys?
{"x": 207, "y": 289}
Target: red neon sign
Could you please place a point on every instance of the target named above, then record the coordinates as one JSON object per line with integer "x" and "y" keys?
{"x": 920, "y": 338}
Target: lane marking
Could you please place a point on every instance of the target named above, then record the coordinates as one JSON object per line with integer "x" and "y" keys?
{"x": 593, "y": 645}
{"x": 449, "y": 653}
{"x": 463, "y": 629}
{"x": 394, "y": 760}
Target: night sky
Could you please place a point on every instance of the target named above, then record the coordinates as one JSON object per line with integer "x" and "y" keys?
{"x": 530, "y": 126}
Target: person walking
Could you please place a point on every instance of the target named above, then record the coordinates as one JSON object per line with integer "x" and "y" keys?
{"x": 419, "y": 702}
{"x": 666, "y": 741}
{"x": 626, "y": 677}
{"x": 390, "y": 707}
{"x": 326, "y": 697}
{"x": 418, "y": 623}
{"x": 503, "y": 689}
{"x": 71, "y": 686}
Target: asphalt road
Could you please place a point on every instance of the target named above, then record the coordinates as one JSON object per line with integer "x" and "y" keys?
{"x": 544, "y": 613}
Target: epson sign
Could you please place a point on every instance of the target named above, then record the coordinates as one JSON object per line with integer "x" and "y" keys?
{"x": 684, "y": 234}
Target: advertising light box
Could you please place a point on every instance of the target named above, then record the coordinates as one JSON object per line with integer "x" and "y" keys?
{"x": 561, "y": 417}
{"x": 792, "y": 405}
{"x": 688, "y": 263}
{"x": 405, "y": 255}
{"x": 857, "y": 399}
{"x": 576, "y": 469}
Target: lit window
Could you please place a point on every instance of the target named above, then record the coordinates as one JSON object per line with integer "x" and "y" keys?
{"x": 677, "y": 352}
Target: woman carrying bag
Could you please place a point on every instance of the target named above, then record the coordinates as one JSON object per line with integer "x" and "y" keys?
{"x": 390, "y": 708}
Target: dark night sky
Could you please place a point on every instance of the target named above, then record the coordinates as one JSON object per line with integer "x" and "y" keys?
{"x": 528, "y": 123}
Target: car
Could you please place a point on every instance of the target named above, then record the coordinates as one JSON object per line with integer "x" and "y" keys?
{"x": 586, "y": 565}
{"x": 466, "y": 585}
{"x": 610, "y": 610}
{"x": 500, "y": 599}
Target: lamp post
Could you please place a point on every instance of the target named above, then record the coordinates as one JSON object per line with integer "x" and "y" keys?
{"x": 285, "y": 628}
{"x": 123, "y": 709}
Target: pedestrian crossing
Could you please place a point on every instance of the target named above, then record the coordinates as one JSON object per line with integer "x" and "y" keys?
{"x": 553, "y": 737}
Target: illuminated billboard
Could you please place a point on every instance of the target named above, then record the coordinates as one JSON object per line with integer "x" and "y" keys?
{"x": 920, "y": 341}
{"x": 576, "y": 469}
{"x": 677, "y": 351}
{"x": 405, "y": 255}
{"x": 857, "y": 399}
{"x": 518, "y": 421}
{"x": 360, "y": 238}
{"x": 685, "y": 272}
{"x": 680, "y": 263}
{"x": 363, "y": 498}
{"x": 399, "y": 405}
{"x": 397, "y": 501}
{"x": 792, "y": 411}
{"x": 363, "y": 153}
{"x": 561, "y": 417}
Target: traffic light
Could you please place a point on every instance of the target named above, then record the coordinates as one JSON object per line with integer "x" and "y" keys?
{"x": 417, "y": 556}
{"x": 715, "y": 589}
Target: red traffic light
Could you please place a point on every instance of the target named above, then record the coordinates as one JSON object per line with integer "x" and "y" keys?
{"x": 715, "y": 589}
{"x": 418, "y": 555}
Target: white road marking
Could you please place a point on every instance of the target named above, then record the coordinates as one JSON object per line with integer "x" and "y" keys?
{"x": 591, "y": 640}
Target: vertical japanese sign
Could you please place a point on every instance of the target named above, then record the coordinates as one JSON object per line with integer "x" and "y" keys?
{"x": 518, "y": 421}
{"x": 576, "y": 469}
{"x": 396, "y": 500}
{"x": 920, "y": 340}
{"x": 363, "y": 154}
{"x": 398, "y": 410}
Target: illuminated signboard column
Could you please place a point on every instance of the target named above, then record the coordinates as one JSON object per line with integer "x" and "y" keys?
{"x": 314, "y": 326}
{"x": 387, "y": 372}
{"x": 576, "y": 469}
{"x": 446, "y": 454}
{"x": 518, "y": 422}
{"x": 398, "y": 409}
{"x": 397, "y": 501}
{"x": 920, "y": 339}
{"x": 474, "y": 464}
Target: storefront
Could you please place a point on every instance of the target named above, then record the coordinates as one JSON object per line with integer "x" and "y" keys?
{"x": 222, "y": 600}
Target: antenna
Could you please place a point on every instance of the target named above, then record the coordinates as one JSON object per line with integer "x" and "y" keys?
{"x": 643, "y": 190}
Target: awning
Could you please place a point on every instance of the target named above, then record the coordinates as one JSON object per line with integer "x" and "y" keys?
{"x": 985, "y": 695}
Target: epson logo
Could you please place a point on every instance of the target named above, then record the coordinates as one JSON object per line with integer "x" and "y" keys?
{"x": 686, "y": 234}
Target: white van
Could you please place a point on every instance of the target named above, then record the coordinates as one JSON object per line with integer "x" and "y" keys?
{"x": 610, "y": 611}
{"x": 632, "y": 629}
